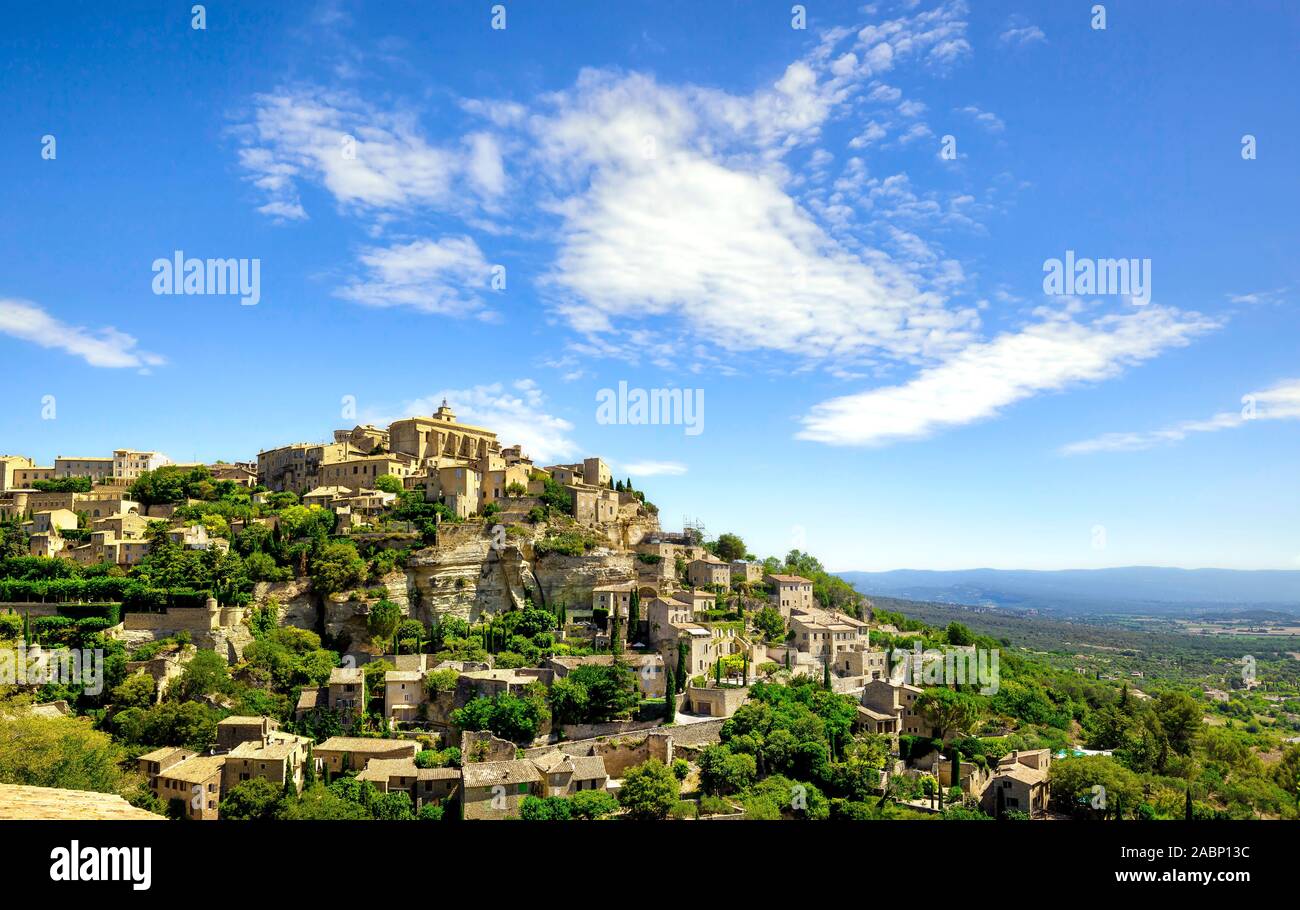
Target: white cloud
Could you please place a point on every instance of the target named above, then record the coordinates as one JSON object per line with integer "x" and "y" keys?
{"x": 1019, "y": 33}
{"x": 517, "y": 415}
{"x": 442, "y": 276}
{"x": 979, "y": 382}
{"x": 1271, "y": 297}
{"x": 655, "y": 468}
{"x": 106, "y": 347}
{"x": 365, "y": 157}
{"x": 991, "y": 122}
{"x": 701, "y": 229}
{"x": 1279, "y": 402}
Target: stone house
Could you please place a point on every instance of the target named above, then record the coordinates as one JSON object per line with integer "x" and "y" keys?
{"x": 791, "y": 592}
{"x": 350, "y": 753}
{"x": 1022, "y": 779}
{"x": 495, "y": 790}
{"x": 709, "y": 572}
{"x": 897, "y": 699}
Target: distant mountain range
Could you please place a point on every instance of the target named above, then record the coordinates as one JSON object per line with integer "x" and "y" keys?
{"x": 1124, "y": 590}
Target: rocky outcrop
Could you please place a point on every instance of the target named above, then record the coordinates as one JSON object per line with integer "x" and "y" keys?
{"x": 298, "y": 604}
{"x": 569, "y": 579}
{"x": 347, "y": 613}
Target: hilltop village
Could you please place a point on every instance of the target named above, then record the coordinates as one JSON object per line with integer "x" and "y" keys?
{"x": 417, "y": 622}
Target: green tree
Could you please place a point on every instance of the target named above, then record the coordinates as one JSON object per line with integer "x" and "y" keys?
{"x": 389, "y": 483}
{"x": 255, "y": 798}
{"x": 592, "y": 804}
{"x": 62, "y": 752}
{"x": 670, "y": 696}
{"x": 319, "y": 803}
{"x": 383, "y": 620}
{"x": 771, "y": 623}
{"x": 959, "y": 636}
{"x": 136, "y": 691}
{"x": 337, "y": 567}
{"x": 1180, "y": 717}
{"x": 730, "y": 547}
{"x": 207, "y": 673}
{"x": 650, "y": 791}
{"x": 948, "y": 710}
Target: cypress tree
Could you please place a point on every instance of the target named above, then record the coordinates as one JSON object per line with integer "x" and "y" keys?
{"x": 634, "y": 616}
{"x": 956, "y": 767}
{"x": 682, "y": 674}
{"x": 717, "y": 671}
{"x": 615, "y": 638}
{"x": 670, "y": 696}
{"x": 826, "y": 674}
{"x": 309, "y": 771}
{"x": 1187, "y": 812}
{"x": 27, "y": 627}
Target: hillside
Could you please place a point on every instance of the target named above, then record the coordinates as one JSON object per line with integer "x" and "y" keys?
{"x": 1119, "y": 590}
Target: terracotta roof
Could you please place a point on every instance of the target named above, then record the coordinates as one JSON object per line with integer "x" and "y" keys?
{"x": 19, "y": 802}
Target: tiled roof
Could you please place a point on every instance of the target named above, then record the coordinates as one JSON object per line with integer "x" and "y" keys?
{"x": 365, "y": 744}
{"x": 491, "y": 773}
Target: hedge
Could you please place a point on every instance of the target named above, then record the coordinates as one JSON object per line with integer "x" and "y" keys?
{"x": 97, "y": 589}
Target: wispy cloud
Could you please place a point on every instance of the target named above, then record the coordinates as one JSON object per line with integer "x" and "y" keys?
{"x": 517, "y": 414}
{"x": 990, "y": 121}
{"x": 1279, "y": 402}
{"x": 1269, "y": 298}
{"x": 979, "y": 382}
{"x": 105, "y": 347}
{"x": 1019, "y": 32}
{"x": 444, "y": 276}
{"x": 368, "y": 158}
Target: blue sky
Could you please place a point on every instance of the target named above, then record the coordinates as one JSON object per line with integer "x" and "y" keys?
{"x": 697, "y": 196}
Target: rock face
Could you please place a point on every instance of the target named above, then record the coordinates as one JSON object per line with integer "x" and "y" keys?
{"x": 471, "y": 573}
{"x": 569, "y": 579}
{"x": 347, "y": 613}
{"x": 298, "y": 604}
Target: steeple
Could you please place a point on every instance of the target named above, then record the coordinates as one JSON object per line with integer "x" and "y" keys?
{"x": 444, "y": 413}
